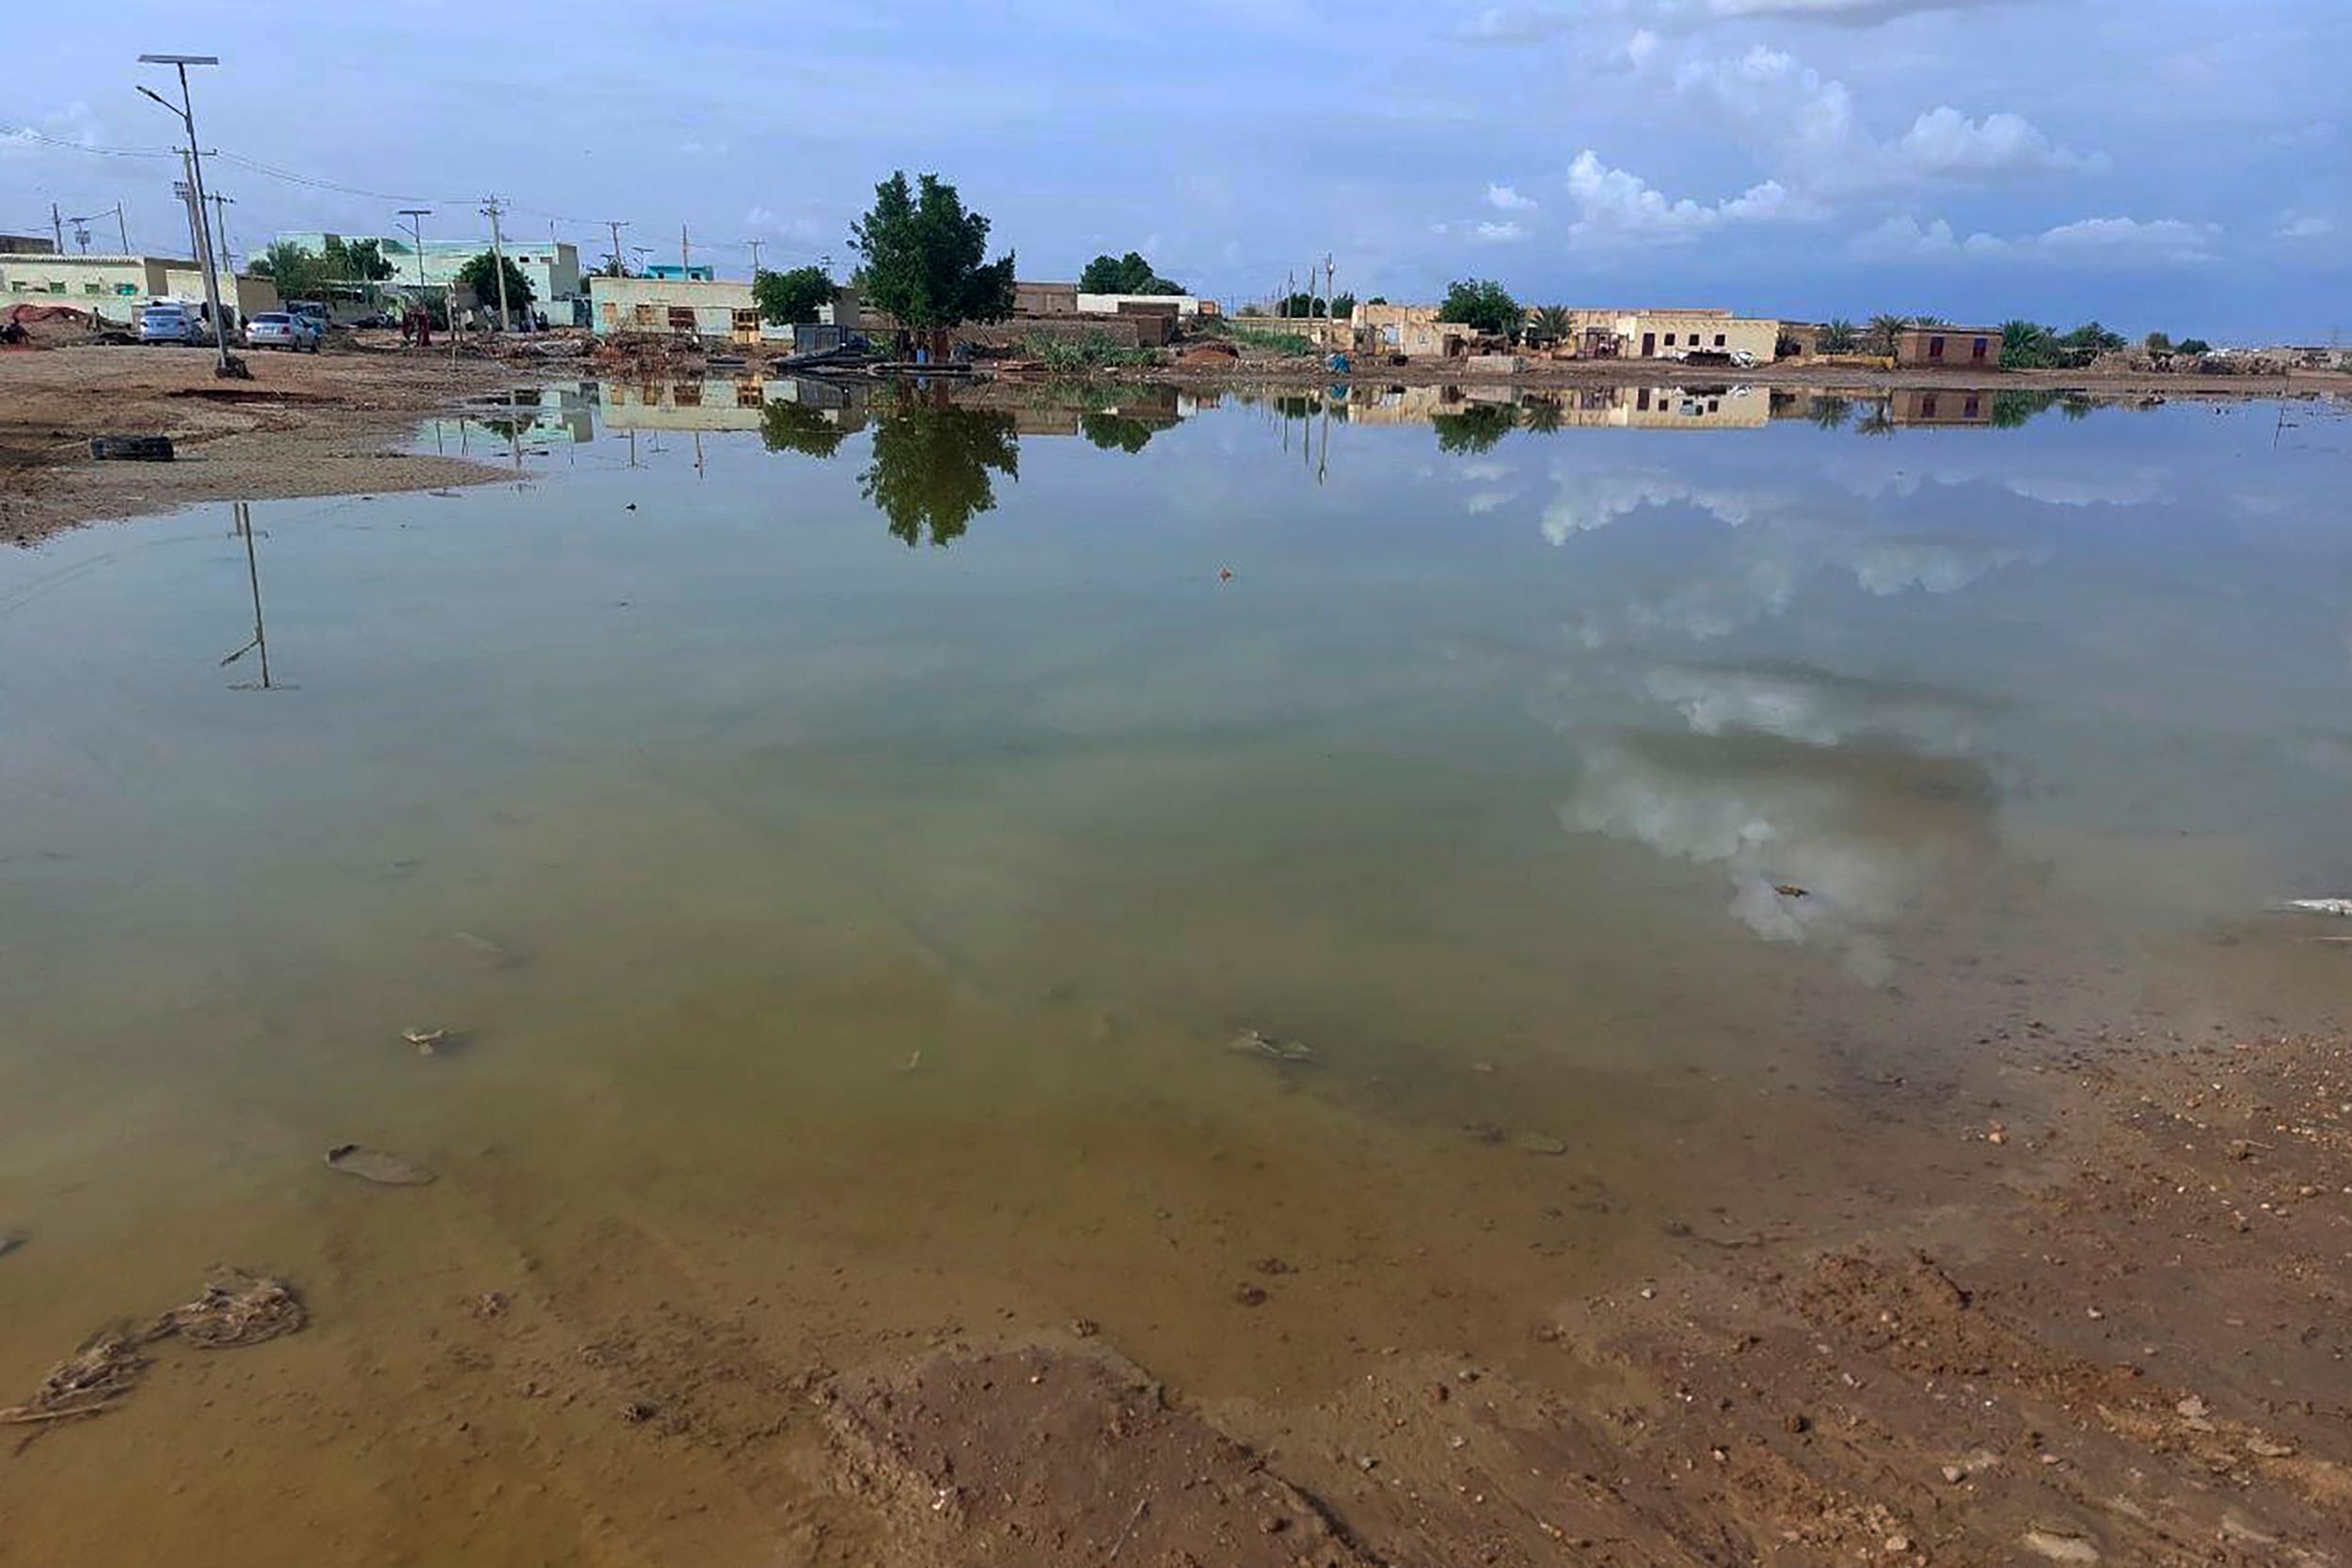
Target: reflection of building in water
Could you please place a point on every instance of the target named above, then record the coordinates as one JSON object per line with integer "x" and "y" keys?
{"x": 1673, "y": 408}
{"x": 1912, "y": 406}
{"x": 725, "y": 402}
{"x": 1581, "y": 407}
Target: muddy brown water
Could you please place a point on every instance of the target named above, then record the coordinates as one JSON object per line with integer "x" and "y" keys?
{"x": 843, "y": 839}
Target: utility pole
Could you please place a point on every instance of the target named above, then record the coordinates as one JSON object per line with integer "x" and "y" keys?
{"x": 416, "y": 216}
{"x": 226, "y": 367}
{"x": 755, "y": 245}
{"x": 57, "y": 228}
{"x": 616, "y": 225}
{"x": 490, "y": 210}
{"x": 81, "y": 236}
{"x": 122, "y": 228}
{"x": 220, "y": 211}
{"x": 186, "y": 192}
{"x": 685, "y": 266}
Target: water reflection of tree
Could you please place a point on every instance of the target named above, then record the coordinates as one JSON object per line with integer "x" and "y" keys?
{"x": 1474, "y": 429}
{"x": 1542, "y": 415}
{"x": 1113, "y": 431}
{"x": 797, "y": 427}
{"x": 1880, "y": 420}
{"x": 1831, "y": 413}
{"x": 930, "y": 467}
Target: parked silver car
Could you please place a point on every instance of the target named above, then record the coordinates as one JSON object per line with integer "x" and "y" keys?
{"x": 168, "y": 322}
{"x": 283, "y": 329}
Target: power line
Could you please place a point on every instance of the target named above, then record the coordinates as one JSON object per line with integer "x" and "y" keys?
{"x": 25, "y": 133}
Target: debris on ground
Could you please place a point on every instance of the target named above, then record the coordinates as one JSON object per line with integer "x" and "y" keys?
{"x": 131, "y": 448}
{"x": 10, "y": 1241}
{"x": 374, "y": 1164}
{"x": 1253, "y": 1042}
{"x": 238, "y": 1307}
{"x": 427, "y": 1041}
{"x": 87, "y": 1382}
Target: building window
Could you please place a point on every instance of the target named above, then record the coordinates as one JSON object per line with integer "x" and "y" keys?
{"x": 1719, "y": 340}
{"x": 1926, "y": 405}
{"x": 1670, "y": 340}
{"x": 1935, "y": 346}
{"x": 1968, "y": 410}
{"x": 1978, "y": 351}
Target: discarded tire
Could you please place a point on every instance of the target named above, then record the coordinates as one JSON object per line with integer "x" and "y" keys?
{"x": 131, "y": 448}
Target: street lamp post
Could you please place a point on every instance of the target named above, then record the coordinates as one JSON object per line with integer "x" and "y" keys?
{"x": 229, "y": 365}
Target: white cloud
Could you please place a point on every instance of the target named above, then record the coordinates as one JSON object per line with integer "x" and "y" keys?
{"x": 1526, "y": 23}
{"x": 1615, "y": 204}
{"x": 2108, "y": 240}
{"x": 1507, "y": 198}
{"x": 1945, "y": 143}
{"x": 1806, "y": 125}
{"x": 1813, "y": 706}
{"x": 2305, "y": 226}
{"x": 1499, "y": 233}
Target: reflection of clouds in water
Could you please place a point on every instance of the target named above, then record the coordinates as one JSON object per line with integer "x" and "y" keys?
{"x": 1813, "y": 706}
{"x": 1585, "y": 500}
{"x": 2105, "y": 484}
{"x": 1867, "y": 833}
{"x": 1778, "y": 542}
{"x": 1483, "y": 501}
{"x": 2327, "y": 751}
{"x": 1493, "y": 483}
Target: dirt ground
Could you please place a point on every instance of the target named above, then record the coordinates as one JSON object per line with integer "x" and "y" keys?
{"x": 2126, "y": 1343}
{"x": 306, "y": 424}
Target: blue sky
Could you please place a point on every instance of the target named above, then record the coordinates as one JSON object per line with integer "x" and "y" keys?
{"x": 2175, "y": 164}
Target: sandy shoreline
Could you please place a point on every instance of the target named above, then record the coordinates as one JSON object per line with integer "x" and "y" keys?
{"x": 304, "y": 425}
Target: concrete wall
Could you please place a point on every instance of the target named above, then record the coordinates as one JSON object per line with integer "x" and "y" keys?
{"x": 1969, "y": 348}
{"x": 1108, "y": 305}
{"x": 713, "y": 308}
{"x": 115, "y": 287}
{"x": 1044, "y": 299}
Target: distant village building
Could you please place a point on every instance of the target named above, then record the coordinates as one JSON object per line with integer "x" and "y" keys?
{"x": 113, "y": 287}
{"x": 1670, "y": 334}
{"x": 551, "y": 267}
{"x": 681, "y": 271}
{"x": 1959, "y": 347}
{"x": 27, "y": 244}
{"x": 699, "y": 307}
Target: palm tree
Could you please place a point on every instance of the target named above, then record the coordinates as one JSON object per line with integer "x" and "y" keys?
{"x": 1541, "y": 414}
{"x": 1884, "y": 332}
{"x": 1830, "y": 412}
{"x": 1880, "y": 420}
{"x": 1551, "y": 324}
{"x": 1839, "y": 336}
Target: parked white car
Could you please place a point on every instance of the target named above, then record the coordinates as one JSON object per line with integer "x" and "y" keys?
{"x": 283, "y": 329}
{"x": 169, "y": 322}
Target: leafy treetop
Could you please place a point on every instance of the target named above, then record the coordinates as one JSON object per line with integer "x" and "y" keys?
{"x": 790, "y": 298}
{"x": 1125, "y": 274}
{"x": 1483, "y": 304}
{"x": 924, "y": 257}
{"x": 481, "y": 274}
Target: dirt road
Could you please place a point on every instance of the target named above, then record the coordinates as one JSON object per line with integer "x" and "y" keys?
{"x": 306, "y": 424}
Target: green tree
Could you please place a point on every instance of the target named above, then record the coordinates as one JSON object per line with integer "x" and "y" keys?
{"x": 481, "y": 274}
{"x": 930, "y": 467}
{"x": 2157, "y": 342}
{"x": 1542, "y": 414}
{"x": 2028, "y": 346}
{"x": 299, "y": 273}
{"x": 1297, "y": 306}
{"x": 2093, "y": 337}
{"x": 1483, "y": 304}
{"x": 1839, "y": 336}
{"x": 1124, "y": 275}
{"x": 354, "y": 260}
{"x": 1830, "y": 411}
{"x": 1474, "y": 429}
{"x": 797, "y": 427}
{"x": 1884, "y": 332}
{"x": 2192, "y": 345}
{"x": 1377, "y": 299}
{"x": 924, "y": 257}
{"x": 791, "y": 299}
{"x": 1550, "y": 325}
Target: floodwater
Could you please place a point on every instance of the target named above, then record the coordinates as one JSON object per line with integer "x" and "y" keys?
{"x": 844, "y": 837}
